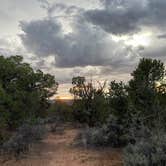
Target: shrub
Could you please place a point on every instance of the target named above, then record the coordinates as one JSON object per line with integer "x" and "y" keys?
{"x": 21, "y": 141}
{"x": 116, "y": 132}
{"x": 15, "y": 146}
{"x": 4, "y": 136}
{"x": 149, "y": 151}
{"x": 111, "y": 134}
{"x": 51, "y": 120}
{"x": 137, "y": 130}
{"x": 35, "y": 132}
{"x": 60, "y": 111}
{"x": 118, "y": 99}
{"x": 94, "y": 137}
{"x": 53, "y": 127}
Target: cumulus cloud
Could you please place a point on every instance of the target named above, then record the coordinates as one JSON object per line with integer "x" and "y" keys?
{"x": 163, "y": 36}
{"x": 118, "y": 17}
{"x": 156, "y": 50}
{"x": 10, "y": 45}
{"x": 85, "y": 45}
{"x": 60, "y": 9}
{"x": 128, "y": 16}
{"x": 104, "y": 40}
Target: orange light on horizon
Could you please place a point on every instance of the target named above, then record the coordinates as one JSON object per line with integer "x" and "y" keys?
{"x": 64, "y": 97}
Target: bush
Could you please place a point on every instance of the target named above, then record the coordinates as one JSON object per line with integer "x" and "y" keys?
{"x": 93, "y": 137}
{"x": 35, "y": 132}
{"x": 111, "y": 134}
{"x": 61, "y": 111}
{"x": 4, "y": 136}
{"x": 149, "y": 151}
{"x": 15, "y": 146}
{"x": 116, "y": 132}
{"x": 22, "y": 140}
{"x": 137, "y": 130}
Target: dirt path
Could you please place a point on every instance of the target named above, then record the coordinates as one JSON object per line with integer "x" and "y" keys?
{"x": 57, "y": 150}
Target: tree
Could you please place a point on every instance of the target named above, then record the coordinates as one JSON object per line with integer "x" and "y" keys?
{"x": 79, "y": 89}
{"x": 142, "y": 87}
{"x": 23, "y": 91}
{"x": 118, "y": 99}
{"x": 90, "y": 103}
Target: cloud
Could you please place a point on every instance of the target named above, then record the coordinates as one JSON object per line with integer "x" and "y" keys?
{"x": 157, "y": 13}
{"x": 10, "y": 45}
{"x": 43, "y": 37}
{"x": 59, "y": 9}
{"x": 162, "y": 36}
{"x": 85, "y": 45}
{"x": 118, "y": 18}
{"x": 128, "y": 16}
{"x": 155, "y": 49}
{"x": 104, "y": 40}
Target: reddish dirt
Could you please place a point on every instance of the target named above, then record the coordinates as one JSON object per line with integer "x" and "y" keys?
{"x": 57, "y": 150}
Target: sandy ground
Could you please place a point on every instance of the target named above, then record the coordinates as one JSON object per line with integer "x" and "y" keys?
{"x": 58, "y": 150}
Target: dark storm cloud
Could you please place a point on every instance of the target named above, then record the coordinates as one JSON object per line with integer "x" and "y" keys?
{"x": 163, "y": 36}
{"x": 43, "y": 37}
{"x": 118, "y": 18}
{"x": 127, "y": 16}
{"x": 67, "y": 40}
{"x": 157, "y": 13}
{"x": 84, "y": 46}
{"x": 87, "y": 43}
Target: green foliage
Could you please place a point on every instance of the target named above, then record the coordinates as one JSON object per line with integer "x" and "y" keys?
{"x": 22, "y": 140}
{"x": 150, "y": 151}
{"x": 118, "y": 100}
{"x": 161, "y": 93}
{"x": 61, "y": 111}
{"x": 142, "y": 88}
{"x": 130, "y": 106}
{"x": 23, "y": 91}
{"x": 92, "y": 137}
{"x": 90, "y": 104}
{"x": 148, "y": 72}
{"x": 117, "y": 116}
{"x": 113, "y": 134}
{"x": 116, "y": 131}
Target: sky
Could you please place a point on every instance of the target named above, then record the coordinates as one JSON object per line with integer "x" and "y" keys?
{"x": 98, "y": 39}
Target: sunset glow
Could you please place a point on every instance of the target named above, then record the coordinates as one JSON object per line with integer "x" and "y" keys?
{"x": 64, "y": 97}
